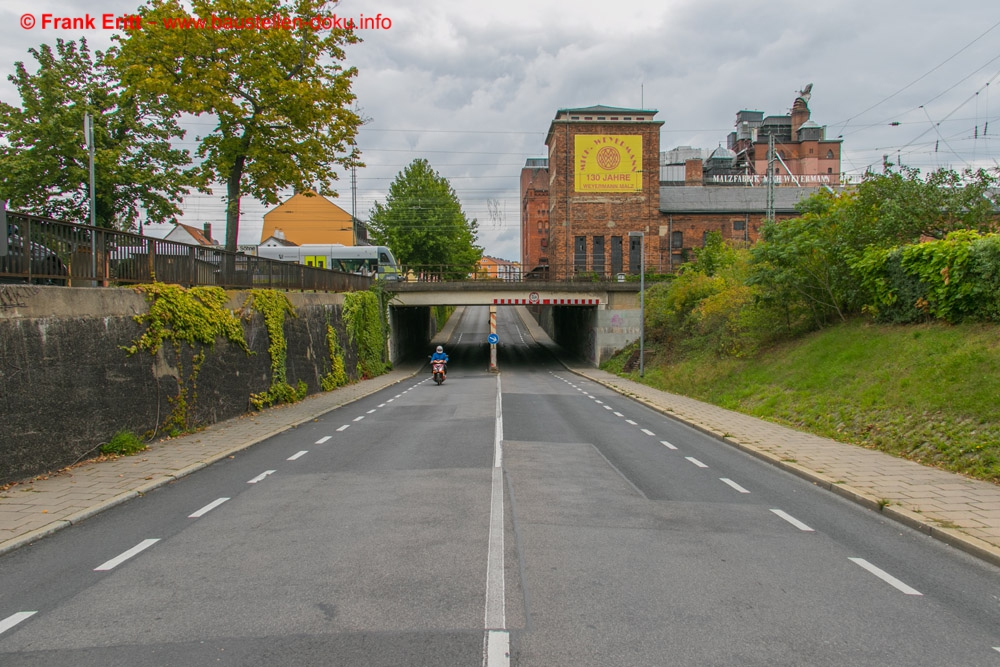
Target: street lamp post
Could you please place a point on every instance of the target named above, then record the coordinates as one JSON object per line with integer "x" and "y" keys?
{"x": 642, "y": 297}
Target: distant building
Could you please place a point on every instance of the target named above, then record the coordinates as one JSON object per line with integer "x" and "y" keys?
{"x": 308, "y": 218}
{"x": 535, "y": 215}
{"x": 499, "y": 269}
{"x": 182, "y": 233}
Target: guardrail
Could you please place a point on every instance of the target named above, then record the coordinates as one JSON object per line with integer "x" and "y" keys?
{"x": 504, "y": 274}
{"x": 47, "y": 251}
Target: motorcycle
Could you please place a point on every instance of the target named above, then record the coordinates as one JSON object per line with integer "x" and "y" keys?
{"x": 438, "y": 369}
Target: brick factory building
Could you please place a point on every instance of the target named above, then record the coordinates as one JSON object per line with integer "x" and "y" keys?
{"x": 603, "y": 184}
{"x": 605, "y": 177}
{"x": 535, "y": 215}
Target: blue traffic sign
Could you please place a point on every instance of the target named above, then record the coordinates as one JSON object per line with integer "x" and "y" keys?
{"x": 493, "y": 339}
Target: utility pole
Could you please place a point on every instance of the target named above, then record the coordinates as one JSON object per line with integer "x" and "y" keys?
{"x": 88, "y": 133}
{"x": 770, "y": 178}
{"x": 88, "y": 136}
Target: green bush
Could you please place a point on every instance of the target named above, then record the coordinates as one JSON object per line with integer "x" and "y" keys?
{"x": 124, "y": 443}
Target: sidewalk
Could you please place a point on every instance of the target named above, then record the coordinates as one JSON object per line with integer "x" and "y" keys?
{"x": 962, "y": 512}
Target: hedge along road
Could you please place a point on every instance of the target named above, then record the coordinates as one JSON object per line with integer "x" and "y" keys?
{"x": 365, "y": 538}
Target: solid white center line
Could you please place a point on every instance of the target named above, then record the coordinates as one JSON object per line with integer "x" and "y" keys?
{"x": 344, "y": 427}
{"x": 629, "y": 421}
{"x": 618, "y": 414}
{"x": 495, "y": 620}
{"x": 648, "y": 432}
{"x": 792, "y": 520}
{"x": 323, "y": 439}
{"x": 667, "y": 444}
{"x": 358, "y": 418}
{"x": 370, "y": 411}
{"x": 118, "y": 560}
{"x": 298, "y": 455}
{"x": 207, "y": 508}
{"x": 497, "y": 648}
{"x": 885, "y": 576}
{"x": 696, "y": 461}
{"x": 734, "y": 484}
{"x": 12, "y": 620}
{"x": 261, "y": 476}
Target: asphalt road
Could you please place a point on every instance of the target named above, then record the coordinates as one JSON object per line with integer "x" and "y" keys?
{"x": 532, "y": 512}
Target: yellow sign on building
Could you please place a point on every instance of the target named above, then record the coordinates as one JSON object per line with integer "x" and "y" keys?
{"x": 608, "y": 163}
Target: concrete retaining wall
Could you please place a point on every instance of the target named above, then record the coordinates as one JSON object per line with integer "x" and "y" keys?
{"x": 67, "y": 386}
{"x": 592, "y": 334}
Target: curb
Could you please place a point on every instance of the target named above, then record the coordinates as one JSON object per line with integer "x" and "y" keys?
{"x": 950, "y": 536}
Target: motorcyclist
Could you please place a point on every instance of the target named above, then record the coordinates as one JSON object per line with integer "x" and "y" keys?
{"x": 439, "y": 353}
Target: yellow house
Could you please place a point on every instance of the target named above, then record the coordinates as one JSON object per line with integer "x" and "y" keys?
{"x": 310, "y": 218}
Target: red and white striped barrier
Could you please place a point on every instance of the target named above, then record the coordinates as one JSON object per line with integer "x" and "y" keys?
{"x": 547, "y": 302}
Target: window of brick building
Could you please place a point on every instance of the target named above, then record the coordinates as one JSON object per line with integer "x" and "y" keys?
{"x": 739, "y": 225}
{"x": 598, "y": 263}
{"x": 579, "y": 253}
{"x": 829, "y": 155}
{"x": 676, "y": 240}
{"x": 616, "y": 254}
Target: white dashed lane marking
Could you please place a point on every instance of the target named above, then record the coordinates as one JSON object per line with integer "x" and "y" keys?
{"x": 12, "y": 620}
{"x": 733, "y": 484}
{"x": 629, "y": 421}
{"x": 298, "y": 455}
{"x": 121, "y": 558}
{"x": 344, "y": 427}
{"x": 323, "y": 439}
{"x": 261, "y": 476}
{"x": 885, "y": 576}
{"x": 207, "y": 508}
{"x": 667, "y": 444}
{"x": 359, "y": 418}
{"x": 792, "y": 520}
{"x": 617, "y": 414}
{"x": 696, "y": 461}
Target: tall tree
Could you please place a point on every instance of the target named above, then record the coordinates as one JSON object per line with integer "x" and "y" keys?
{"x": 44, "y": 164}
{"x": 276, "y": 91}
{"x": 423, "y": 224}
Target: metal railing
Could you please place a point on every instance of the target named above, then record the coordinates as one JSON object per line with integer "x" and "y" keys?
{"x": 46, "y": 251}
{"x": 445, "y": 273}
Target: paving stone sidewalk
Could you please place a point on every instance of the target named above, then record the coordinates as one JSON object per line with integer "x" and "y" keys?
{"x": 955, "y": 509}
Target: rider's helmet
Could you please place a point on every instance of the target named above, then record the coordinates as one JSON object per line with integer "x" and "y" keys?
{"x": 440, "y": 349}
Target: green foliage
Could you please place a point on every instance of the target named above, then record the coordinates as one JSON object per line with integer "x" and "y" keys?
{"x": 274, "y": 306}
{"x": 714, "y": 256}
{"x": 364, "y": 320}
{"x": 902, "y": 206}
{"x": 278, "y": 99}
{"x": 803, "y": 262}
{"x": 44, "y": 161}
{"x": 441, "y": 315}
{"x": 337, "y": 377}
{"x": 124, "y": 443}
{"x": 423, "y": 224}
{"x": 195, "y": 317}
{"x": 953, "y": 279}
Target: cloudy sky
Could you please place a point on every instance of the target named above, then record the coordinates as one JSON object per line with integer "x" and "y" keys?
{"x": 472, "y": 85}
